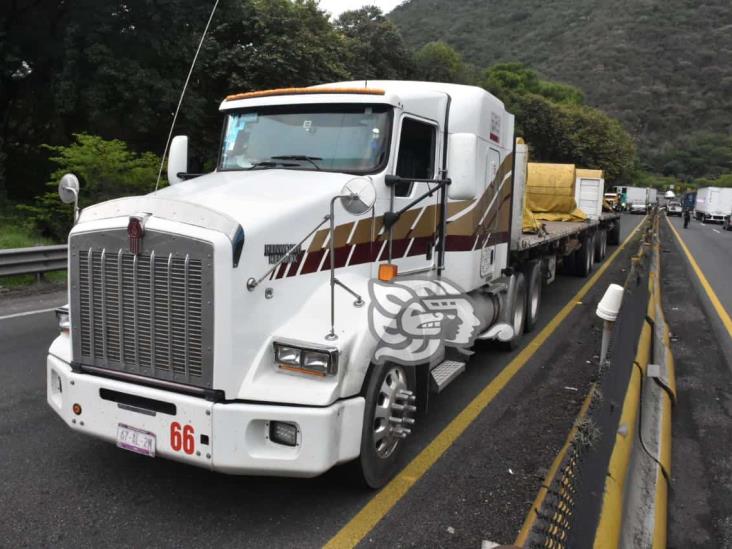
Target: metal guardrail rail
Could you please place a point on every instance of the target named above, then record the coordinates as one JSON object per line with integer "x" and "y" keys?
{"x": 35, "y": 260}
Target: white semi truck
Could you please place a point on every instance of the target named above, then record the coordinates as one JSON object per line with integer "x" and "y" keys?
{"x": 294, "y": 308}
{"x": 713, "y": 204}
{"x": 637, "y": 199}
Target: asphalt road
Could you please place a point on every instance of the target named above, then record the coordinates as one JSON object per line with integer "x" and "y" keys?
{"x": 63, "y": 489}
{"x": 712, "y": 248}
{"x": 700, "y": 497}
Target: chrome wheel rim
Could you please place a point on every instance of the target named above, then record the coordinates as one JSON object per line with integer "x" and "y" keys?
{"x": 387, "y": 433}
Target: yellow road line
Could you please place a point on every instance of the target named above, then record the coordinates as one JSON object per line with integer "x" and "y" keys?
{"x": 378, "y": 506}
{"x": 721, "y": 311}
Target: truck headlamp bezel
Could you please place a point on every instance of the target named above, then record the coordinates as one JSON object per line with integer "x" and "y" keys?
{"x": 63, "y": 318}
{"x": 307, "y": 358}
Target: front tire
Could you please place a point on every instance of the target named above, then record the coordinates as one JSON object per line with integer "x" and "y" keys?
{"x": 388, "y": 413}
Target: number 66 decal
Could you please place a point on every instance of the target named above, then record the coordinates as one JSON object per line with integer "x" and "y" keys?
{"x": 182, "y": 438}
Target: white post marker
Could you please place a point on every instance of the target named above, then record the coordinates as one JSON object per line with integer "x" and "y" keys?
{"x": 608, "y": 310}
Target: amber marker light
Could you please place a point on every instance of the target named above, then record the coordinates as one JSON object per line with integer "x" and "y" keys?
{"x": 76, "y": 408}
{"x": 387, "y": 272}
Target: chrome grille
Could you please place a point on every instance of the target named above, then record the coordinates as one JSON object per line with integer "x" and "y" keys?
{"x": 149, "y": 314}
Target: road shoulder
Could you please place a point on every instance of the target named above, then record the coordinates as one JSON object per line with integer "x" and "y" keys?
{"x": 700, "y": 504}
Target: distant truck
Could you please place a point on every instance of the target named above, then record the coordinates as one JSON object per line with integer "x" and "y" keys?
{"x": 640, "y": 197}
{"x": 688, "y": 200}
{"x": 713, "y": 204}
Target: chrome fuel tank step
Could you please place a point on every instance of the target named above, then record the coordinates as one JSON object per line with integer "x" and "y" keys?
{"x": 444, "y": 373}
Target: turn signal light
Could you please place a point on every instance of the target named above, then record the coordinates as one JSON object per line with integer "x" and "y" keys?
{"x": 387, "y": 272}
{"x": 76, "y": 408}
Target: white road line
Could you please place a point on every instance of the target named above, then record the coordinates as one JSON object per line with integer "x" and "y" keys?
{"x": 28, "y": 313}
{"x": 716, "y": 231}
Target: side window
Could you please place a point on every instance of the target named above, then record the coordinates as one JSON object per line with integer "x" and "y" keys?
{"x": 416, "y": 157}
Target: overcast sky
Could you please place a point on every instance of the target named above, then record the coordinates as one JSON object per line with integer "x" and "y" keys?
{"x": 336, "y": 7}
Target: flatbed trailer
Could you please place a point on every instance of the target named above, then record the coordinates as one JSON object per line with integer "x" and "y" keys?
{"x": 558, "y": 232}
{"x": 561, "y": 242}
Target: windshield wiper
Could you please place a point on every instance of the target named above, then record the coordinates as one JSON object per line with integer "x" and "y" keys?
{"x": 300, "y": 157}
{"x": 270, "y": 164}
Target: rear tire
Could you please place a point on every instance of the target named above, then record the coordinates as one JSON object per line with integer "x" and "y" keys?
{"x": 583, "y": 260}
{"x": 600, "y": 245}
{"x": 613, "y": 235}
{"x": 517, "y": 317}
{"x": 380, "y": 447}
{"x": 534, "y": 283}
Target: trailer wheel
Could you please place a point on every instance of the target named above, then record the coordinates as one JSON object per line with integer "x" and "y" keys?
{"x": 600, "y": 245}
{"x": 534, "y": 282}
{"x": 387, "y": 417}
{"x": 517, "y": 317}
{"x": 613, "y": 235}
{"x": 583, "y": 258}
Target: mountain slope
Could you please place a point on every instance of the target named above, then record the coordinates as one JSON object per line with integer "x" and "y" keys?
{"x": 663, "y": 67}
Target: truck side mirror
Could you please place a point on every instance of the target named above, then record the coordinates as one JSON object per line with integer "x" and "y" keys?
{"x": 462, "y": 152}
{"x": 178, "y": 159}
{"x": 68, "y": 192}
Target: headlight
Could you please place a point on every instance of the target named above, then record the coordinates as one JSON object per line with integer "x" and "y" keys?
{"x": 64, "y": 321}
{"x": 288, "y": 355}
{"x": 293, "y": 357}
{"x": 317, "y": 361}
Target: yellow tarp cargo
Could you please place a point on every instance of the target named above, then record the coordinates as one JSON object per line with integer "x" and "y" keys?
{"x": 589, "y": 174}
{"x": 530, "y": 225}
{"x": 550, "y": 187}
{"x": 550, "y": 194}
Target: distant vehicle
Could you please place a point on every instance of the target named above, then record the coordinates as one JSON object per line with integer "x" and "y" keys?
{"x": 638, "y": 208}
{"x": 688, "y": 200}
{"x": 713, "y": 204}
{"x": 673, "y": 207}
{"x": 614, "y": 200}
{"x": 636, "y": 195}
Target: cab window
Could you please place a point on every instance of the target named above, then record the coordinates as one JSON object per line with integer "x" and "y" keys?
{"x": 416, "y": 157}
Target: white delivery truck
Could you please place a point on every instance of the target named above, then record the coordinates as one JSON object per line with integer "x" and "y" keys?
{"x": 292, "y": 309}
{"x": 713, "y": 204}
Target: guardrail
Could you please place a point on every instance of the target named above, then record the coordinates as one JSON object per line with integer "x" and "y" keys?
{"x": 35, "y": 260}
{"x": 608, "y": 486}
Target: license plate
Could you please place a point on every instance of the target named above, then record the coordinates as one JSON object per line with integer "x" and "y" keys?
{"x": 136, "y": 440}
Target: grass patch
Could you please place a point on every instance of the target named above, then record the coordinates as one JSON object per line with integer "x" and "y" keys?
{"x": 15, "y": 233}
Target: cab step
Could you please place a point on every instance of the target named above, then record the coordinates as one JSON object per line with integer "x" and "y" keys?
{"x": 444, "y": 373}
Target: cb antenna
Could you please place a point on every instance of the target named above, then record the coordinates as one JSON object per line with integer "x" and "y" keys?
{"x": 183, "y": 92}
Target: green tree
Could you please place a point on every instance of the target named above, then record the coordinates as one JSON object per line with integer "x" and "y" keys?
{"x": 438, "y": 62}
{"x": 576, "y": 134}
{"x": 373, "y": 45}
{"x": 510, "y": 81}
{"x": 106, "y": 169}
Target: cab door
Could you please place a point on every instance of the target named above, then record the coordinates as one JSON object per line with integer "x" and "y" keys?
{"x": 410, "y": 244}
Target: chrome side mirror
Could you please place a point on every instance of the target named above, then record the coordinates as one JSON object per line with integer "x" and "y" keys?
{"x": 358, "y": 196}
{"x": 68, "y": 192}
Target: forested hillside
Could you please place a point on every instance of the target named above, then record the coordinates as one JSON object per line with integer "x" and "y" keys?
{"x": 663, "y": 67}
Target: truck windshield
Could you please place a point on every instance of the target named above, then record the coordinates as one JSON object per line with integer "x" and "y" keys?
{"x": 342, "y": 138}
